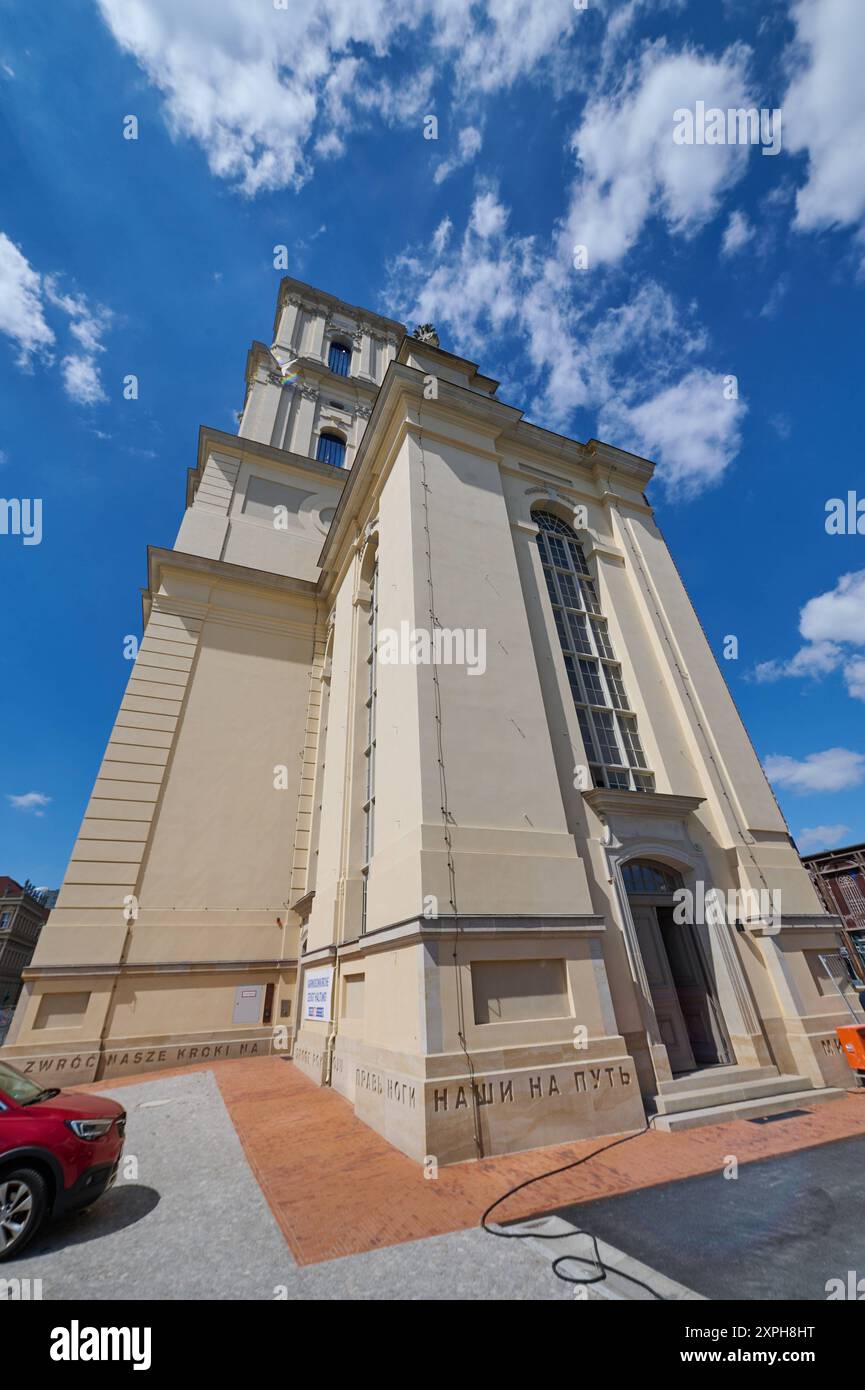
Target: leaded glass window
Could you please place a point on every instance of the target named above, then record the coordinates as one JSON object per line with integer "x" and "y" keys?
{"x": 609, "y": 729}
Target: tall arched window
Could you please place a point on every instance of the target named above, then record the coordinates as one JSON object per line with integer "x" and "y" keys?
{"x": 607, "y": 724}
{"x": 331, "y": 449}
{"x": 339, "y": 358}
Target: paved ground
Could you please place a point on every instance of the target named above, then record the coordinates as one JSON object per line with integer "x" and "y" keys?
{"x": 192, "y": 1223}
{"x": 324, "y": 1208}
{"x": 780, "y": 1230}
{"x": 336, "y": 1187}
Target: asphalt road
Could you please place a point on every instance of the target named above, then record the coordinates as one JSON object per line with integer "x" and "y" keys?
{"x": 782, "y": 1229}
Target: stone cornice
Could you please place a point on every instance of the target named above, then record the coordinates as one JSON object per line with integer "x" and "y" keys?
{"x": 257, "y": 352}
{"x": 664, "y": 805}
{"x": 303, "y": 905}
{"x": 818, "y": 921}
{"x": 307, "y": 295}
{"x": 239, "y": 447}
{"x": 601, "y": 460}
{"x": 606, "y": 458}
{"x": 462, "y": 364}
{"x": 320, "y": 954}
{"x": 507, "y": 427}
{"x": 221, "y": 571}
{"x": 157, "y": 967}
{"x": 327, "y": 380}
{"x": 420, "y": 929}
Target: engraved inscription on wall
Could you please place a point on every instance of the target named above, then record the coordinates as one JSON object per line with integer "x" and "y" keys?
{"x": 533, "y": 1088}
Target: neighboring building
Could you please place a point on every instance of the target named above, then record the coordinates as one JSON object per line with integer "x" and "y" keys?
{"x": 423, "y": 715}
{"x": 23, "y": 913}
{"x": 839, "y": 877}
{"x": 48, "y": 896}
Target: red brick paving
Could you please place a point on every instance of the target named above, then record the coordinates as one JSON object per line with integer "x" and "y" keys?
{"x": 337, "y": 1188}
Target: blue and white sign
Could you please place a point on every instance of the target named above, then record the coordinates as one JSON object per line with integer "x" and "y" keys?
{"x": 316, "y": 993}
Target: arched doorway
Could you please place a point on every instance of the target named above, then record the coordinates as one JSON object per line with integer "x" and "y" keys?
{"x": 682, "y": 984}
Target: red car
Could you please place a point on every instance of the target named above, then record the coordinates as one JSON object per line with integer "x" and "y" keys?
{"x": 58, "y": 1152}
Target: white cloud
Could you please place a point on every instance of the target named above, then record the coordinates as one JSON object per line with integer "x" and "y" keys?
{"x": 81, "y": 380}
{"x": 25, "y": 297}
{"x": 821, "y": 837}
{"x": 631, "y": 169}
{"x": 398, "y": 103}
{"x": 441, "y": 236}
{"x": 87, "y": 324}
{"x": 816, "y": 660}
{"x": 737, "y": 233}
{"x": 620, "y": 21}
{"x": 690, "y": 429}
{"x": 633, "y": 364}
{"x": 500, "y": 41}
{"x": 833, "y": 770}
{"x": 29, "y": 801}
{"x": 469, "y": 144}
{"x": 486, "y": 284}
{"x": 264, "y": 89}
{"x": 574, "y": 353}
{"x": 776, "y": 297}
{"x": 854, "y": 677}
{"x": 831, "y": 623}
{"x": 824, "y": 112}
{"x": 471, "y": 286}
{"x": 22, "y": 316}
{"x": 839, "y": 615}
{"x": 488, "y": 217}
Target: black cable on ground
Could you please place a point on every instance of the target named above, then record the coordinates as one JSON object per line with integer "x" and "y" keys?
{"x": 602, "y": 1268}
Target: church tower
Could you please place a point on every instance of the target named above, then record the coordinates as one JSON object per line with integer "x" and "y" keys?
{"x": 426, "y": 776}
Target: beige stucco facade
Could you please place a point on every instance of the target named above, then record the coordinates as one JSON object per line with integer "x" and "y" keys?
{"x": 425, "y": 840}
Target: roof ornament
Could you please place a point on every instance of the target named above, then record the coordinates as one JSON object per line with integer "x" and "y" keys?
{"x": 426, "y": 333}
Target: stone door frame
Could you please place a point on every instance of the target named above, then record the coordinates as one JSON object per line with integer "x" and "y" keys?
{"x": 734, "y": 999}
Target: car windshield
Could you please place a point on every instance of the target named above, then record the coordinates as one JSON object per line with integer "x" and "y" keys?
{"x": 17, "y": 1086}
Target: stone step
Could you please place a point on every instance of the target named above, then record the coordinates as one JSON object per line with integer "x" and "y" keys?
{"x": 747, "y": 1109}
{"x": 706, "y": 1077}
{"x": 730, "y": 1093}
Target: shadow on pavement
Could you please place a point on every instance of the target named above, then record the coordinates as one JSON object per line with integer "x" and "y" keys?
{"x": 123, "y": 1206}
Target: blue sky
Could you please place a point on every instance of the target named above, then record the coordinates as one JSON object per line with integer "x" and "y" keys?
{"x": 305, "y": 126}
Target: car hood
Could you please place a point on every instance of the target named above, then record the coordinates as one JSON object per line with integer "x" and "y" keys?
{"x": 69, "y": 1105}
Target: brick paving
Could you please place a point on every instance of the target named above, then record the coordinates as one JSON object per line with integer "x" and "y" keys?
{"x": 337, "y": 1188}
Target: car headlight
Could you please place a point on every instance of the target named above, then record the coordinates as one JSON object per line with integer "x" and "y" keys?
{"x": 90, "y": 1129}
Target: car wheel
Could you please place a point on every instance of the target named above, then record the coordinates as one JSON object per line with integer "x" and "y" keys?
{"x": 23, "y": 1204}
